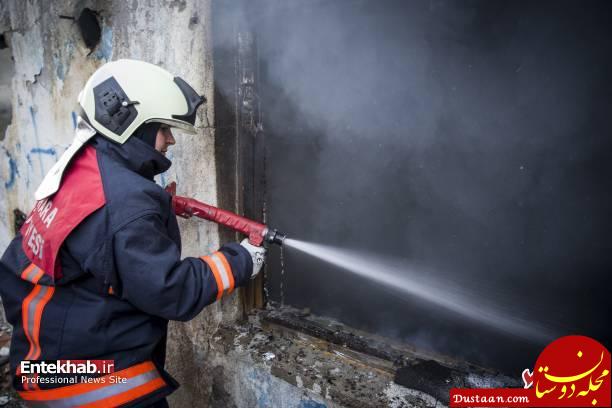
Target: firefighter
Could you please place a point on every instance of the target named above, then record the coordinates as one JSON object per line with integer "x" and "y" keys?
{"x": 95, "y": 272}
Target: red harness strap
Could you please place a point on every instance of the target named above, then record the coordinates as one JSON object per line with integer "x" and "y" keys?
{"x": 54, "y": 218}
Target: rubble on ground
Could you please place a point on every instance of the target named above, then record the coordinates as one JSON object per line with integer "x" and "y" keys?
{"x": 338, "y": 365}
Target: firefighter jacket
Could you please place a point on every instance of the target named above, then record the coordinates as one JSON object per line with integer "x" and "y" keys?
{"x": 96, "y": 274}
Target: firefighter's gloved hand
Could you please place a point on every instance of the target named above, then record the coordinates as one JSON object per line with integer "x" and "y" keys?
{"x": 258, "y": 255}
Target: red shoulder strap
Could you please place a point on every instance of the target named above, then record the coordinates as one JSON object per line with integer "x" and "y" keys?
{"x": 54, "y": 218}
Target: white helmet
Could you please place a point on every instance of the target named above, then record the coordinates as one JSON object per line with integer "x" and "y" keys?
{"x": 118, "y": 98}
{"x": 122, "y": 95}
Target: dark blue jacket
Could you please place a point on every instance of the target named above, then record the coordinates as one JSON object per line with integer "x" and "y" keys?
{"x": 122, "y": 277}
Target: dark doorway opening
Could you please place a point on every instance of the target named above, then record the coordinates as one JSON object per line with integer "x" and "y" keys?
{"x": 6, "y": 93}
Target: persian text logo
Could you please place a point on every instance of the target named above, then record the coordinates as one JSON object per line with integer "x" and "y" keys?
{"x": 571, "y": 371}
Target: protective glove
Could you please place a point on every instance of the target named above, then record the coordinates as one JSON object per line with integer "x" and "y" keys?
{"x": 258, "y": 255}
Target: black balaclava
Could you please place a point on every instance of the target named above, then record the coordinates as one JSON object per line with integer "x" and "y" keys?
{"x": 147, "y": 132}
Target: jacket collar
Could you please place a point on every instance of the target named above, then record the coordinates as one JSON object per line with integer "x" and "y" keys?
{"x": 134, "y": 154}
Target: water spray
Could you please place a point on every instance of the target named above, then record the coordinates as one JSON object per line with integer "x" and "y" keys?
{"x": 404, "y": 278}
{"x": 256, "y": 232}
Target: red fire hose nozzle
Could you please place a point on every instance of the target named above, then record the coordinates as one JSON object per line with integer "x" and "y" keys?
{"x": 258, "y": 233}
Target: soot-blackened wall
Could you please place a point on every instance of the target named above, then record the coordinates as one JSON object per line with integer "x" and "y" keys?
{"x": 471, "y": 138}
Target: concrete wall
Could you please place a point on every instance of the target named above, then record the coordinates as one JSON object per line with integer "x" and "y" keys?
{"x": 51, "y": 65}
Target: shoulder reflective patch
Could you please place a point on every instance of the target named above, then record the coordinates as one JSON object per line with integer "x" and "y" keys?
{"x": 32, "y": 273}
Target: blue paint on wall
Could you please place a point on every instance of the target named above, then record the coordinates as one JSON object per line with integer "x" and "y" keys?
{"x": 59, "y": 70}
{"x": 74, "y": 119}
{"x": 38, "y": 150}
{"x": 311, "y": 404}
{"x": 13, "y": 172}
{"x": 261, "y": 381}
{"x": 60, "y": 55}
{"x": 105, "y": 48}
{"x": 33, "y": 117}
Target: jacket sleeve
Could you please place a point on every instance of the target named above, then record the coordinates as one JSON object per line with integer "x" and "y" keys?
{"x": 154, "y": 279}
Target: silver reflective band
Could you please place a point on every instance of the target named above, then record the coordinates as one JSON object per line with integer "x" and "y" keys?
{"x": 31, "y": 315}
{"x": 31, "y": 274}
{"x": 99, "y": 394}
{"x": 222, "y": 271}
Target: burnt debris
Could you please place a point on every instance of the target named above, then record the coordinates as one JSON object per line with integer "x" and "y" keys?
{"x": 20, "y": 218}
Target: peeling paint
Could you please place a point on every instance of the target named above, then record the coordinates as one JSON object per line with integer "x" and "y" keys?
{"x": 59, "y": 68}
{"x": 105, "y": 48}
{"x": 28, "y": 52}
{"x": 61, "y": 59}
